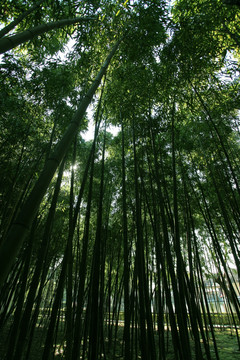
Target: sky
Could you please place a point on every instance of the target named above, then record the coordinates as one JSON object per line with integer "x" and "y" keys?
{"x": 89, "y": 134}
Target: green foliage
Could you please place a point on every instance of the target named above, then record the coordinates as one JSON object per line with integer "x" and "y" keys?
{"x": 173, "y": 87}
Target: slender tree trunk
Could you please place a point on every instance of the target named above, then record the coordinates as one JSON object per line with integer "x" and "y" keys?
{"x": 220, "y": 138}
{"x": 180, "y": 264}
{"x": 15, "y": 22}
{"x": 41, "y": 266}
{"x": 18, "y": 312}
{"x": 48, "y": 347}
{"x": 227, "y": 223}
{"x": 161, "y": 279}
{"x": 147, "y": 339}
{"x": 95, "y": 326}
{"x": 126, "y": 257}
{"x": 19, "y": 229}
{"x": 159, "y": 244}
{"x": 183, "y": 351}
{"x": 195, "y": 314}
{"x": 70, "y": 259}
{"x": 85, "y": 241}
{"x": 10, "y": 42}
{"x": 10, "y": 291}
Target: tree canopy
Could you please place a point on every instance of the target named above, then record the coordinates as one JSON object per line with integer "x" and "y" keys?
{"x": 119, "y": 246}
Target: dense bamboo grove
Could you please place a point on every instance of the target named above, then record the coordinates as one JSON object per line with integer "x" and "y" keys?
{"x": 125, "y": 245}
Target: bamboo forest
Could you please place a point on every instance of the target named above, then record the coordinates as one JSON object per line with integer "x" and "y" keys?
{"x": 120, "y": 179}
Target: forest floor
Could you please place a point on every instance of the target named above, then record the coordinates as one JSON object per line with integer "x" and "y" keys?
{"x": 227, "y": 344}
{"x": 226, "y": 340}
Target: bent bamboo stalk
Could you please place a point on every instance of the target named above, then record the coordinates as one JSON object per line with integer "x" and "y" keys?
{"x": 10, "y": 42}
{"x": 20, "y": 228}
